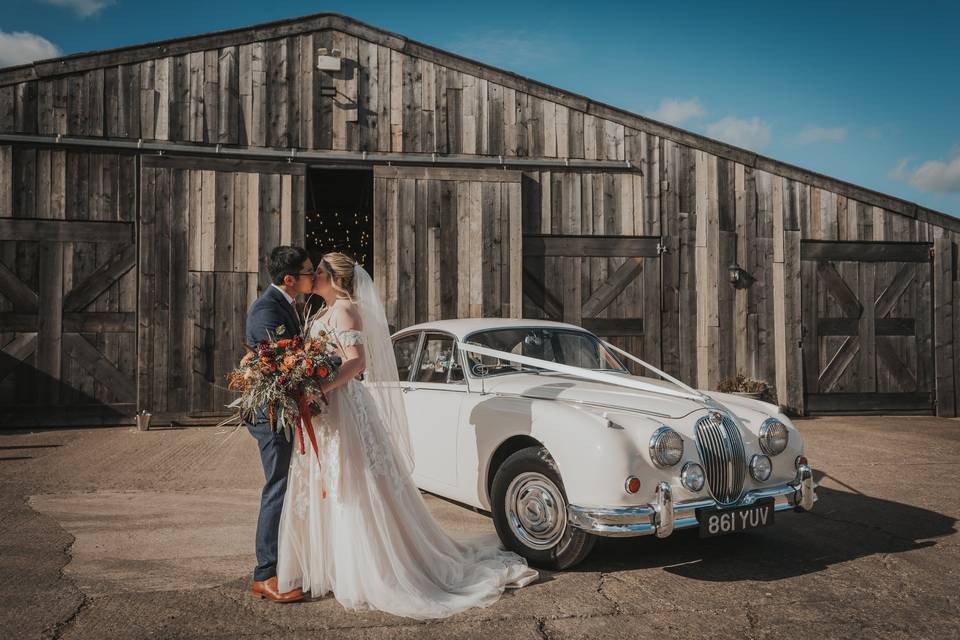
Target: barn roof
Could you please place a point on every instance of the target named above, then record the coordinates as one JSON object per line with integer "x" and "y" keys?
{"x": 332, "y": 21}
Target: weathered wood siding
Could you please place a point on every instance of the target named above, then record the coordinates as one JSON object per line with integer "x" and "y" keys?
{"x": 710, "y": 204}
{"x": 68, "y": 285}
{"x": 206, "y": 228}
{"x": 447, "y": 243}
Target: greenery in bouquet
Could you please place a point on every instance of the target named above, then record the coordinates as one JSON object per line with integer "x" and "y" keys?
{"x": 281, "y": 375}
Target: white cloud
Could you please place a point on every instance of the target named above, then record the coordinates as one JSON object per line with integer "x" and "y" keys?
{"x": 83, "y": 8}
{"x": 939, "y": 176}
{"x": 750, "y": 134}
{"x": 678, "y": 111}
{"x": 21, "y": 47}
{"x": 811, "y": 134}
{"x": 512, "y": 48}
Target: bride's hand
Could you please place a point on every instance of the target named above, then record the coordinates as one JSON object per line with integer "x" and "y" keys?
{"x": 247, "y": 357}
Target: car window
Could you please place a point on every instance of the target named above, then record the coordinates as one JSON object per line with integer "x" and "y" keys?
{"x": 405, "y": 350}
{"x": 456, "y": 370}
{"x": 438, "y": 352}
{"x": 563, "y": 346}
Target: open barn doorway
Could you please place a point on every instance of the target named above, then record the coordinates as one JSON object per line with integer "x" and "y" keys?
{"x": 339, "y": 214}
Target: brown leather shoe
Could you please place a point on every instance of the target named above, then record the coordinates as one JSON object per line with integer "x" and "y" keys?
{"x": 268, "y": 589}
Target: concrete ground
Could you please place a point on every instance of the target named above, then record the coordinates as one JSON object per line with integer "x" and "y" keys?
{"x": 111, "y": 533}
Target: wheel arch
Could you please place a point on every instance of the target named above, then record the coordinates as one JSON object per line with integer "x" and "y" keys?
{"x": 503, "y": 451}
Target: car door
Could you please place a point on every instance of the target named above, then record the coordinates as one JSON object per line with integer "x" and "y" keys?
{"x": 433, "y": 410}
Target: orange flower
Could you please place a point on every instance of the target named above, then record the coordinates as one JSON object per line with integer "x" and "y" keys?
{"x": 289, "y": 361}
{"x": 322, "y": 371}
{"x": 283, "y": 343}
{"x": 308, "y": 370}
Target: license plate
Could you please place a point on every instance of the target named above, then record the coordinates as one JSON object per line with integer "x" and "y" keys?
{"x": 718, "y": 522}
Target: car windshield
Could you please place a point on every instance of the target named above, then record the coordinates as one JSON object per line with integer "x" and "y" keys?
{"x": 563, "y": 346}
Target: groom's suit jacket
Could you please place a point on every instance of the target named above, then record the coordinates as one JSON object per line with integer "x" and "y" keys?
{"x": 267, "y": 314}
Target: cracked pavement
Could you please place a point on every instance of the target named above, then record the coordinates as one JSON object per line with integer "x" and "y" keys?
{"x": 112, "y": 533}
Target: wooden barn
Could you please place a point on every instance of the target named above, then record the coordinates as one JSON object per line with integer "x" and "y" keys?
{"x": 142, "y": 187}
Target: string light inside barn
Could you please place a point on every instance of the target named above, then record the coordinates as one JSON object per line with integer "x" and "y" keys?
{"x": 339, "y": 214}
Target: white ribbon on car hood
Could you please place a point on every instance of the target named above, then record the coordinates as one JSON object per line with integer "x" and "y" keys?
{"x": 580, "y": 372}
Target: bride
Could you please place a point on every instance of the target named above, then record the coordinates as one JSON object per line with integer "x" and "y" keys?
{"x": 356, "y": 524}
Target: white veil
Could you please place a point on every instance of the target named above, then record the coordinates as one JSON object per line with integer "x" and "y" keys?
{"x": 380, "y": 374}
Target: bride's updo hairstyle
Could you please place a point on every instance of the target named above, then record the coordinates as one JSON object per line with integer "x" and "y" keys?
{"x": 339, "y": 266}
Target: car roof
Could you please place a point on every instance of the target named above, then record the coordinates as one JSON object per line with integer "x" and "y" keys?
{"x": 462, "y": 327}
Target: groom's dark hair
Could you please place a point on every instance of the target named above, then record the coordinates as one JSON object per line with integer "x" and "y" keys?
{"x": 285, "y": 260}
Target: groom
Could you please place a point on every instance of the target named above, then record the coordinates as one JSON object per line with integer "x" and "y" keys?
{"x": 274, "y": 315}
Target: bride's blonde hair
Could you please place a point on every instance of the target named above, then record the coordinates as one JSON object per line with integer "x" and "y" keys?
{"x": 339, "y": 266}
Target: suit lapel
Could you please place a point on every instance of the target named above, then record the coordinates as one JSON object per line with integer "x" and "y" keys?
{"x": 291, "y": 312}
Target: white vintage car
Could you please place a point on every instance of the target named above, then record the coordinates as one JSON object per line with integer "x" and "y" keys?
{"x": 540, "y": 424}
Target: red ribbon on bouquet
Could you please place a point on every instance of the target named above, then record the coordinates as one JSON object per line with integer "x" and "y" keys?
{"x": 306, "y": 424}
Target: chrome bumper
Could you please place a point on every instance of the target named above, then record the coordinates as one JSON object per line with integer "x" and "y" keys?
{"x": 664, "y": 515}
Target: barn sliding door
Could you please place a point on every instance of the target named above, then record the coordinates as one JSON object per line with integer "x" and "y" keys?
{"x": 558, "y": 280}
{"x": 206, "y": 227}
{"x": 67, "y": 288}
{"x": 447, "y": 243}
{"x": 867, "y": 331}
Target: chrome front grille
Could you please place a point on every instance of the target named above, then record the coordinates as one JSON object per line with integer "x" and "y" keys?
{"x": 721, "y": 452}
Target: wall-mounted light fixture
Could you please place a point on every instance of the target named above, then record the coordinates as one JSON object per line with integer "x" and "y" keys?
{"x": 328, "y": 59}
{"x": 739, "y": 278}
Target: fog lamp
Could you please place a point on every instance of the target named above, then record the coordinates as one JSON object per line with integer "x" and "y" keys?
{"x": 692, "y": 476}
{"x": 760, "y": 467}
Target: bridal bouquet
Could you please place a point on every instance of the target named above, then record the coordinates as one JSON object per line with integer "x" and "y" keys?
{"x": 281, "y": 375}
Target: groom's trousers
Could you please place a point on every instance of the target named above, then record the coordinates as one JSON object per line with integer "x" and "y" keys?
{"x": 275, "y": 455}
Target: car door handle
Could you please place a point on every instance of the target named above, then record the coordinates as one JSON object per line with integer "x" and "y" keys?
{"x": 407, "y": 389}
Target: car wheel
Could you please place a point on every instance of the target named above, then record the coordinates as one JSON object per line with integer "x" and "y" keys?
{"x": 530, "y": 511}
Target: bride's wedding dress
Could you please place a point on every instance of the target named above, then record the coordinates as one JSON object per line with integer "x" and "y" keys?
{"x": 372, "y": 541}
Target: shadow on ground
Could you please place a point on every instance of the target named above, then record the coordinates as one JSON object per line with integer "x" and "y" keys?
{"x": 843, "y": 526}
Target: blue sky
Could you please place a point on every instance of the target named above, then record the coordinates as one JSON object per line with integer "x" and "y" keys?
{"x": 868, "y": 92}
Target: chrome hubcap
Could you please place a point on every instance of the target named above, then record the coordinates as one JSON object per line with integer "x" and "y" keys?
{"x": 536, "y": 510}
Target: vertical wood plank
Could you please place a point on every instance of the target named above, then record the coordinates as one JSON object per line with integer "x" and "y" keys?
{"x": 406, "y": 276}
{"x": 943, "y": 310}
{"x": 396, "y": 100}
{"x": 286, "y": 209}
{"x": 228, "y": 99}
{"x": 707, "y": 261}
{"x": 194, "y": 220}
{"x": 241, "y": 224}
{"x": 208, "y": 220}
{"x": 49, "y": 322}
{"x": 252, "y": 252}
{"x": 516, "y": 250}
{"x": 258, "y": 95}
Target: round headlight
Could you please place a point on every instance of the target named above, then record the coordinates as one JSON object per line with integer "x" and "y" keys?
{"x": 692, "y": 476}
{"x": 666, "y": 447}
{"x": 760, "y": 467}
{"x": 773, "y": 436}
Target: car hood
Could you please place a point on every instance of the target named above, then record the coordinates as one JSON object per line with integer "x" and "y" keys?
{"x": 559, "y": 386}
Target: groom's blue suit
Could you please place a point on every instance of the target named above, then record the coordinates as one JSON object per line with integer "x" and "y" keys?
{"x": 270, "y": 312}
